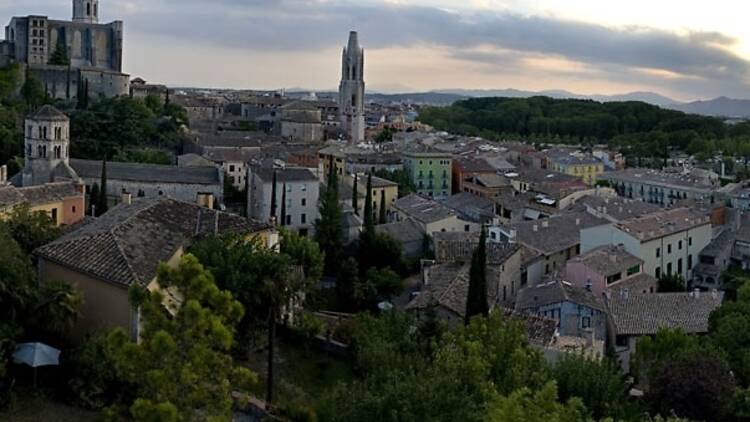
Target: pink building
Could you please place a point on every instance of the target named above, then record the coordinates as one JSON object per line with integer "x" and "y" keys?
{"x": 609, "y": 268}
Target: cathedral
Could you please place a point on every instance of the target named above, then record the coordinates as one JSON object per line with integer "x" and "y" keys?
{"x": 352, "y": 91}
{"x": 92, "y": 49}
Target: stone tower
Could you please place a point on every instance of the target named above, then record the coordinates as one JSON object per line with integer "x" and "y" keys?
{"x": 86, "y": 11}
{"x": 46, "y": 147}
{"x": 352, "y": 90}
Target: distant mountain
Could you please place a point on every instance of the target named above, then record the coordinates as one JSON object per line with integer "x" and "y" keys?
{"x": 646, "y": 97}
{"x": 718, "y": 107}
{"x": 428, "y": 98}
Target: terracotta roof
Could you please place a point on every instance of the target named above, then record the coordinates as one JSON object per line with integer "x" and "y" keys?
{"x": 556, "y": 291}
{"x": 556, "y": 233}
{"x": 460, "y": 246}
{"x": 37, "y": 195}
{"x": 126, "y": 245}
{"x": 635, "y": 314}
{"x": 654, "y": 226}
{"x": 608, "y": 260}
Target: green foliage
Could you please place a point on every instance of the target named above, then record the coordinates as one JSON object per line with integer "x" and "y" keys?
{"x": 181, "y": 367}
{"x": 598, "y": 383}
{"x": 385, "y": 135}
{"x": 671, "y": 283}
{"x": 476, "y": 299}
{"x": 540, "y": 406}
{"x": 33, "y": 92}
{"x": 31, "y": 229}
{"x": 368, "y": 231}
{"x": 728, "y": 330}
{"x": 94, "y": 199}
{"x": 347, "y": 281}
{"x": 355, "y": 194}
{"x": 405, "y": 184}
{"x": 60, "y": 56}
{"x": 145, "y": 155}
{"x": 10, "y": 80}
{"x": 383, "y": 217}
{"x": 304, "y": 253}
{"x": 102, "y": 203}
{"x": 17, "y": 278}
{"x": 329, "y": 227}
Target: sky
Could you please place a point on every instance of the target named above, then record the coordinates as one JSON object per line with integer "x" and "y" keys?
{"x": 684, "y": 49}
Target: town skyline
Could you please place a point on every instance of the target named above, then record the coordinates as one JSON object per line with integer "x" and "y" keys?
{"x": 437, "y": 45}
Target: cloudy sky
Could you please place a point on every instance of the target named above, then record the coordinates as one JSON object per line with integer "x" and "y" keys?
{"x": 685, "y": 49}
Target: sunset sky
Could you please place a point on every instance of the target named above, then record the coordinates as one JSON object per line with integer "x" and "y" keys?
{"x": 683, "y": 49}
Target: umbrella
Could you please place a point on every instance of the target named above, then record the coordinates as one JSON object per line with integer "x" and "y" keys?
{"x": 36, "y": 355}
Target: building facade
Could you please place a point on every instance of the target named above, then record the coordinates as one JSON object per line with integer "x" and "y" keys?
{"x": 302, "y": 193}
{"x": 430, "y": 171}
{"x": 46, "y": 148}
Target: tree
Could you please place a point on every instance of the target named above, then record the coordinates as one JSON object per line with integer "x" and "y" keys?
{"x": 355, "y": 194}
{"x": 476, "y": 299}
{"x": 383, "y": 213}
{"x": 33, "y": 92}
{"x": 57, "y": 308}
{"x": 283, "y": 205}
{"x": 652, "y": 353}
{"x": 31, "y": 229}
{"x": 368, "y": 231}
{"x": 273, "y": 216}
{"x": 346, "y": 281}
{"x": 540, "y": 406}
{"x": 304, "y": 253}
{"x": 103, "y": 199}
{"x": 60, "y": 56}
{"x": 329, "y": 229}
{"x": 671, "y": 283}
{"x": 182, "y": 367}
{"x": 94, "y": 199}
{"x": 597, "y": 382}
{"x": 695, "y": 385}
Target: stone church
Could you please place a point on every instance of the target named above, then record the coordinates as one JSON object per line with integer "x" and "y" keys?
{"x": 352, "y": 90}
{"x": 94, "y": 50}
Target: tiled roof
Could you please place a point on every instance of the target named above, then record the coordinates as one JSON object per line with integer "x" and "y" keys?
{"x": 679, "y": 179}
{"x": 126, "y": 245}
{"x": 50, "y": 113}
{"x": 617, "y": 208}
{"x": 556, "y": 233}
{"x": 237, "y": 155}
{"x": 422, "y": 209}
{"x": 460, "y": 246}
{"x": 288, "y": 174}
{"x": 635, "y": 314}
{"x": 556, "y": 291}
{"x": 403, "y": 231}
{"x": 470, "y": 206}
{"x": 608, "y": 260}
{"x": 37, "y": 195}
{"x": 92, "y": 169}
{"x": 540, "y": 331}
{"x": 640, "y": 283}
{"x": 654, "y": 226}
{"x": 473, "y": 165}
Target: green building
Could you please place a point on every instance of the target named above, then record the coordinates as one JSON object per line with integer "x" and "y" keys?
{"x": 429, "y": 170}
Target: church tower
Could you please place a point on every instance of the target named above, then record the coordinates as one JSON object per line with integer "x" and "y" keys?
{"x": 86, "y": 11}
{"x": 352, "y": 90}
{"x": 46, "y": 147}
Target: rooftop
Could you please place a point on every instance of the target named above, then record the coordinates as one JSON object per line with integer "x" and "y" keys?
{"x": 615, "y": 208}
{"x": 126, "y": 245}
{"x": 664, "y": 223}
{"x": 682, "y": 180}
{"x": 608, "y": 260}
{"x": 422, "y": 209}
{"x": 287, "y": 174}
{"x": 38, "y": 195}
{"x": 460, "y": 246}
{"x": 635, "y": 314}
{"x": 406, "y": 231}
{"x": 556, "y": 291}
{"x": 49, "y": 113}
{"x": 557, "y": 233}
{"x": 92, "y": 169}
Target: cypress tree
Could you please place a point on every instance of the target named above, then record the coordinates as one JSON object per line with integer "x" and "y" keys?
{"x": 272, "y": 217}
{"x": 93, "y": 199}
{"x": 383, "y": 215}
{"x": 355, "y": 199}
{"x": 476, "y": 299}
{"x": 86, "y": 94}
{"x": 369, "y": 217}
{"x": 103, "y": 206}
{"x": 329, "y": 228}
{"x": 283, "y": 205}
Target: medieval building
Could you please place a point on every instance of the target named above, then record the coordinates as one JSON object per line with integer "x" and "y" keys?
{"x": 352, "y": 91}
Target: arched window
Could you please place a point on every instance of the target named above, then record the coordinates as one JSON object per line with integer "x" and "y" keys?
{"x": 88, "y": 9}
{"x": 44, "y": 151}
{"x": 96, "y": 10}
{"x": 44, "y": 132}
{"x": 39, "y": 151}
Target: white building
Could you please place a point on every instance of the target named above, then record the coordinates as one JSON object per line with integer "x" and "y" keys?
{"x": 352, "y": 90}
{"x": 302, "y": 191}
{"x": 668, "y": 242}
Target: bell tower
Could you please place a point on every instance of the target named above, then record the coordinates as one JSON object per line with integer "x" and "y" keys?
{"x": 46, "y": 145}
{"x": 86, "y": 11}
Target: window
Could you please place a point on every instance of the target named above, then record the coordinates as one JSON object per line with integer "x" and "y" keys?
{"x": 679, "y": 245}
{"x": 586, "y": 322}
{"x": 690, "y": 262}
{"x": 467, "y": 228}
{"x": 304, "y": 188}
{"x": 231, "y": 168}
{"x": 303, "y": 218}
{"x": 690, "y": 241}
{"x": 679, "y": 266}
{"x": 669, "y": 269}
{"x": 669, "y": 248}
{"x": 303, "y": 202}
{"x": 73, "y": 209}
{"x": 657, "y": 273}
{"x": 634, "y": 270}
{"x": 658, "y": 252}
{"x": 288, "y": 219}
{"x": 88, "y": 9}
{"x": 54, "y": 215}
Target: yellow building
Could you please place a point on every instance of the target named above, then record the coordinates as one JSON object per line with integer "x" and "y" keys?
{"x": 381, "y": 188}
{"x": 587, "y": 168}
{"x": 124, "y": 247}
{"x": 64, "y": 202}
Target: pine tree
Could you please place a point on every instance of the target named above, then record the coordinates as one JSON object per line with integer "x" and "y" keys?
{"x": 103, "y": 206}
{"x": 283, "y": 205}
{"x": 60, "y": 56}
{"x": 272, "y": 217}
{"x": 383, "y": 215}
{"x": 476, "y": 299}
{"x": 355, "y": 194}
{"x": 329, "y": 228}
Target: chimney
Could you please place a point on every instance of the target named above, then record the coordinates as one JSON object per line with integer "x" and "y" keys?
{"x": 513, "y": 233}
{"x": 126, "y": 198}
{"x": 545, "y": 224}
{"x": 578, "y": 221}
{"x": 613, "y": 258}
{"x": 206, "y": 200}
{"x": 697, "y": 293}
{"x": 714, "y": 294}
{"x": 535, "y": 228}
{"x": 3, "y": 174}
